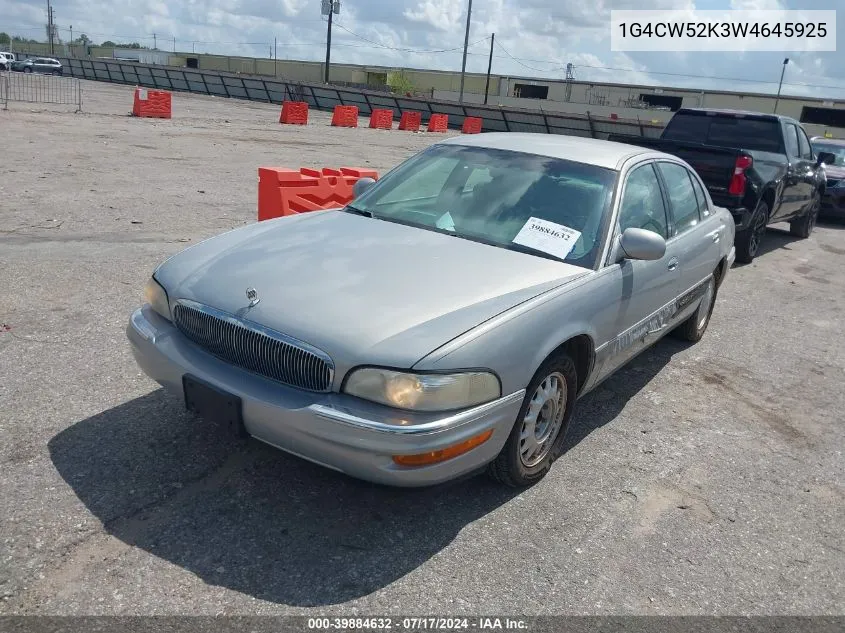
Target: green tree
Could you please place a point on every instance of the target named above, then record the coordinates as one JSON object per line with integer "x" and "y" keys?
{"x": 400, "y": 83}
{"x": 108, "y": 44}
{"x": 5, "y": 40}
{"x": 83, "y": 39}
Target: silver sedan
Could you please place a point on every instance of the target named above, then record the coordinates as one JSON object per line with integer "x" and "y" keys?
{"x": 447, "y": 320}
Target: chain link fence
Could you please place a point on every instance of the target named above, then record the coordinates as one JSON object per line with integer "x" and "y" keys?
{"x": 37, "y": 88}
{"x": 326, "y": 97}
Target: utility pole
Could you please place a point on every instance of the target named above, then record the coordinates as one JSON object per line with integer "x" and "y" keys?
{"x": 329, "y": 7}
{"x": 466, "y": 45}
{"x": 71, "y": 34}
{"x": 489, "y": 68}
{"x": 780, "y": 85}
{"x": 275, "y": 57}
{"x": 174, "y": 43}
{"x": 155, "y": 42}
{"x": 50, "y": 25}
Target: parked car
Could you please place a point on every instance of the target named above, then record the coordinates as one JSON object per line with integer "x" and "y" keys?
{"x": 761, "y": 167}
{"x": 833, "y": 200}
{"x": 448, "y": 318}
{"x": 45, "y": 65}
{"x": 6, "y": 60}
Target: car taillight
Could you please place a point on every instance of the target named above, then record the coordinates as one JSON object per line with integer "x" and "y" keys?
{"x": 737, "y": 186}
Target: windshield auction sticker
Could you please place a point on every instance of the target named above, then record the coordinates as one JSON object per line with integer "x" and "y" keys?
{"x": 551, "y": 238}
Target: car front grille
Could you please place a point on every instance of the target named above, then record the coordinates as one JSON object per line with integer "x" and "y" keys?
{"x": 253, "y": 347}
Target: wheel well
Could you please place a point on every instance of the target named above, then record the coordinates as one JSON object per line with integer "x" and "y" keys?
{"x": 769, "y": 198}
{"x": 720, "y": 271}
{"x": 582, "y": 351}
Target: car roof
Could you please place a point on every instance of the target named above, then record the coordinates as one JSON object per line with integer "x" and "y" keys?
{"x": 751, "y": 114}
{"x": 607, "y": 154}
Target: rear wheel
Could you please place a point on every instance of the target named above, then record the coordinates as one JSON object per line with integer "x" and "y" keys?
{"x": 27, "y": 69}
{"x": 694, "y": 327}
{"x": 748, "y": 241}
{"x": 803, "y": 226}
{"x": 537, "y": 436}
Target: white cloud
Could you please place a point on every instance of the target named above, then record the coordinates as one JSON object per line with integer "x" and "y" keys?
{"x": 544, "y": 35}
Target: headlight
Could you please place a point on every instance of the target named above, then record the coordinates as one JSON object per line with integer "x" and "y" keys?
{"x": 423, "y": 392}
{"x": 156, "y": 296}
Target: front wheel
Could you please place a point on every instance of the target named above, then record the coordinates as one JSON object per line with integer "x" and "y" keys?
{"x": 803, "y": 226}
{"x": 27, "y": 70}
{"x": 537, "y": 436}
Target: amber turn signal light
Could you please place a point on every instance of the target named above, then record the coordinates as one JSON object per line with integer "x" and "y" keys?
{"x": 433, "y": 457}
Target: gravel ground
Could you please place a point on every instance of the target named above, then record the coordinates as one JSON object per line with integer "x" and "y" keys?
{"x": 699, "y": 480}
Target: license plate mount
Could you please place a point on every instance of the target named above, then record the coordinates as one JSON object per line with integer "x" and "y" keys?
{"x": 213, "y": 404}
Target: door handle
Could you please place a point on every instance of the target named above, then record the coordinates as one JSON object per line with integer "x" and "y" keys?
{"x": 716, "y": 235}
{"x": 673, "y": 263}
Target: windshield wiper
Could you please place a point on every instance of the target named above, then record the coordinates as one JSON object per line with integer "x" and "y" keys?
{"x": 533, "y": 251}
{"x": 350, "y": 209}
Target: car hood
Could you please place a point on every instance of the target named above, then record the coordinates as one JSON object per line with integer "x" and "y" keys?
{"x": 361, "y": 289}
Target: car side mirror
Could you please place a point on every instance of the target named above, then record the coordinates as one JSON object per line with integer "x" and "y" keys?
{"x": 825, "y": 158}
{"x": 361, "y": 185}
{"x": 641, "y": 244}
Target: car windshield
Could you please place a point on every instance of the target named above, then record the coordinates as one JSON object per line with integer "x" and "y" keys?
{"x": 836, "y": 150}
{"x": 536, "y": 204}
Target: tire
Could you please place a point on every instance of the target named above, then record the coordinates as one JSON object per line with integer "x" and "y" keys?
{"x": 747, "y": 242}
{"x": 516, "y": 466}
{"x": 27, "y": 69}
{"x": 802, "y": 227}
{"x": 693, "y": 328}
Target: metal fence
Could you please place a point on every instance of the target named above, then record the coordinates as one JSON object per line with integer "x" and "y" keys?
{"x": 36, "y": 88}
{"x": 324, "y": 97}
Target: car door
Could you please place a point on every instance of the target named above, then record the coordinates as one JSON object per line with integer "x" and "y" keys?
{"x": 793, "y": 185}
{"x": 646, "y": 290}
{"x": 694, "y": 235}
{"x": 807, "y": 174}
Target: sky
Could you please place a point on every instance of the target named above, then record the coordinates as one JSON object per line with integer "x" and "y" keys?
{"x": 534, "y": 38}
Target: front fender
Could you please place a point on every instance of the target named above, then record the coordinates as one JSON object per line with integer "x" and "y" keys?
{"x": 516, "y": 343}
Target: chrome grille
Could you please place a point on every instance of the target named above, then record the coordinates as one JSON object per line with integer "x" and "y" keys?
{"x": 253, "y": 347}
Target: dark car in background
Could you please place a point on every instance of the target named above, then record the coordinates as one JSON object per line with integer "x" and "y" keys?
{"x": 44, "y": 65}
{"x": 761, "y": 167}
{"x": 833, "y": 201}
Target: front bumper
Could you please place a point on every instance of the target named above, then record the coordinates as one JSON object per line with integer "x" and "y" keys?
{"x": 334, "y": 430}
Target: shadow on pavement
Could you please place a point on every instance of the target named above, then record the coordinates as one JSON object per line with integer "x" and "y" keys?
{"x": 255, "y": 520}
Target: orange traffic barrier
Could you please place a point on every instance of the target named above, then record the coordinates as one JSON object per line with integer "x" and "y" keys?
{"x": 472, "y": 125}
{"x": 345, "y": 116}
{"x": 381, "y": 119}
{"x": 294, "y": 113}
{"x": 151, "y": 103}
{"x": 438, "y": 123}
{"x": 410, "y": 121}
{"x": 284, "y": 192}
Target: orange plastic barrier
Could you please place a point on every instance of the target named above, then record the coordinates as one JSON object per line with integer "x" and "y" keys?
{"x": 438, "y": 123}
{"x": 410, "y": 121}
{"x": 151, "y": 103}
{"x": 345, "y": 116}
{"x": 381, "y": 119}
{"x": 294, "y": 113}
{"x": 284, "y": 192}
{"x": 472, "y": 125}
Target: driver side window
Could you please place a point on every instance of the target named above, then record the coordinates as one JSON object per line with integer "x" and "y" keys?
{"x": 642, "y": 203}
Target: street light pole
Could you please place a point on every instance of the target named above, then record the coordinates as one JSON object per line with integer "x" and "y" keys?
{"x": 489, "y": 68}
{"x": 466, "y": 45}
{"x": 780, "y": 85}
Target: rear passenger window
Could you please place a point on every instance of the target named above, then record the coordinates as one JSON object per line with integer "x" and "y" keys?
{"x": 681, "y": 196}
{"x": 703, "y": 209}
